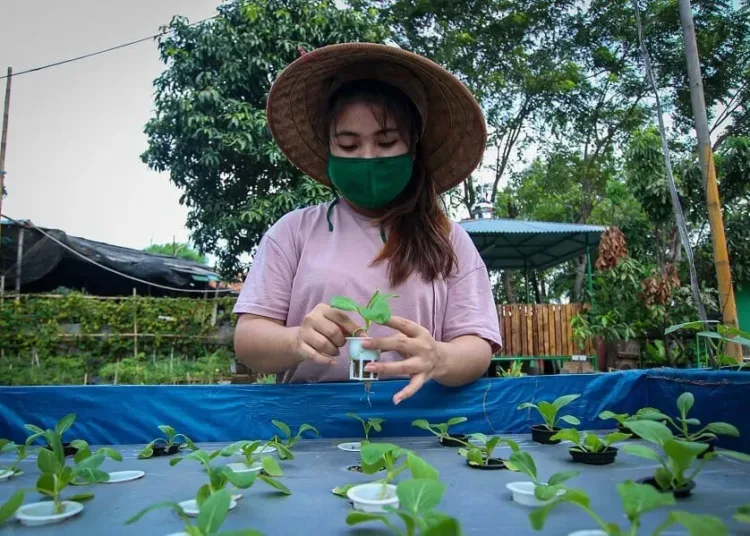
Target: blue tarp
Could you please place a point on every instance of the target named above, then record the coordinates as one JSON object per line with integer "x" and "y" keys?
{"x": 120, "y": 415}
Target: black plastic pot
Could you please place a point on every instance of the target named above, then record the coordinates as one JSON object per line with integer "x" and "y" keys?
{"x": 711, "y": 442}
{"x": 542, "y": 434}
{"x": 605, "y": 457}
{"x": 458, "y": 440}
{"x": 626, "y": 430}
{"x": 68, "y": 450}
{"x": 162, "y": 450}
{"x": 681, "y": 493}
{"x": 493, "y": 464}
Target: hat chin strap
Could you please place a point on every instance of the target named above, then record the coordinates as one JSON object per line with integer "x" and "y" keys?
{"x": 330, "y": 211}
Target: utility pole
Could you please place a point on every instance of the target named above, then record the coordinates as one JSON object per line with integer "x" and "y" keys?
{"x": 3, "y": 145}
{"x": 708, "y": 170}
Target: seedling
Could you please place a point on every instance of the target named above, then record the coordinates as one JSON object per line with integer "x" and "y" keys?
{"x": 417, "y": 501}
{"x": 678, "y": 455}
{"x": 169, "y": 442}
{"x": 60, "y": 428}
{"x": 742, "y": 514}
{"x": 684, "y": 403}
{"x": 56, "y": 476}
{"x": 220, "y": 477}
{"x": 378, "y": 457}
{"x": 21, "y": 451}
{"x": 514, "y": 371}
{"x": 648, "y": 414}
{"x": 549, "y": 411}
{"x": 482, "y": 454}
{"x": 637, "y": 499}
{"x": 587, "y": 442}
{"x": 211, "y": 516}
{"x": 439, "y": 430}
{"x": 251, "y": 451}
{"x": 544, "y": 491}
{"x": 377, "y": 310}
{"x": 289, "y": 441}
{"x": 372, "y": 423}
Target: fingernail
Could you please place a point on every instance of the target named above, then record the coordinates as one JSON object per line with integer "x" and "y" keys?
{"x": 367, "y": 345}
{"x": 396, "y": 402}
{"x": 371, "y": 368}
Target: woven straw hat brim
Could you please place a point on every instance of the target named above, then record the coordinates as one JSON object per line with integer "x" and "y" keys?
{"x": 454, "y": 130}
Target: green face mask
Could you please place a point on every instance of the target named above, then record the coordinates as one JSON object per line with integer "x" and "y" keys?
{"x": 370, "y": 183}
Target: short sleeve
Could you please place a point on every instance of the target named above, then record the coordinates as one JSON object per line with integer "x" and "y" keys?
{"x": 268, "y": 285}
{"x": 470, "y": 308}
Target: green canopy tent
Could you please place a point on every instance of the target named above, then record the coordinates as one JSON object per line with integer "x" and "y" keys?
{"x": 532, "y": 245}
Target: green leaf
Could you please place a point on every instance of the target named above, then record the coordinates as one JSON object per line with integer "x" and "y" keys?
{"x": 213, "y": 512}
{"x": 204, "y": 492}
{"x": 420, "y": 469}
{"x": 341, "y": 491}
{"x": 240, "y": 480}
{"x": 742, "y": 514}
{"x": 80, "y": 497}
{"x": 64, "y": 423}
{"x": 175, "y": 461}
{"x": 642, "y": 451}
{"x": 171, "y": 505}
{"x": 167, "y": 430}
{"x": 563, "y": 401}
{"x": 593, "y": 443}
{"x": 683, "y": 453}
{"x": 373, "y": 452}
{"x": 527, "y": 405}
{"x": 619, "y": 417}
{"x": 307, "y": 428}
{"x": 524, "y": 463}
{"x": 423, "y": 424}
{"x": 355, "y": 416}
{"x": 739, "y": 456}
{"x": 271, "y": 466}
{"x": 33, "y": 428}
{"x": 48, "y": 462}
{"x": 538, "y": 516}
{"x": 419, "y": 495}
{"x": 568, "y": 434}
{"x": 11, "y": 505}
{"x": 615, "y": 437}
{"x": 638, "y": 499}
{"x": 695, "y": 326}
{"x": 446, "y": 527}
{"x": 46, "y": 483}
{"x": 275, "y": 484}
{"x": 652, "y": 431}
{"x": 91, "y": 462}
{"x": 284, "y": 452}
{"x": 684, "y": 402}
{"x": 663, "y": 478}
{"x": 549, "y": 413}
{"x": 723, "y": 428}
{"x": 456, "y": 420}
{"x": 355, "y": 518}
{"x": 283, "y": 427}
{"x": 345, "y": 304}
{"x": 564, "y": 476}
{"x": 699, "y": 525}
{"x": 570, "y": 420}
{"x": 146, "y": 452}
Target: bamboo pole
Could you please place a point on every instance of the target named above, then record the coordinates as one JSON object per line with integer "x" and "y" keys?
{"x": 3, "y": 148}
{"x": 708, "y": 170}
{"x": 19, "y": 260}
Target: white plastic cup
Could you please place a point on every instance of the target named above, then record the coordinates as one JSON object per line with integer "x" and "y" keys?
{"x": 359, "y": 358}
{"x": 370, "y": 498}
{"x": 523, "y": 494}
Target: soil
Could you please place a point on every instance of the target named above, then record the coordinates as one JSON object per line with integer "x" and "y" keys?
{"x": 162, "y": 450}
{"x": 68, "y": 450}
{"x": 493, "y": 464}
{"x": 358, "y": 469}
{"x": 606, "y": 457}
{"x": 682, "y": 493}
{"x": 541, "y": 434}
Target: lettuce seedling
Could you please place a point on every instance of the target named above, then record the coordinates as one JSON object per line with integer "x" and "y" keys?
{"x": 377, "y": 310}
{"x": 678, "y": 455}
{"x": 56, "y": 475}
{"x": 684, "y": 403}
{"x": 289, "y": 440}
{"x": 220, "y": 477}
{"x": 439, "y": 430}
{"x": 372, "y": 423}
{"x": 252, "y": 451}
{"x": 549, "y": 411}
{"x": 21, "y": 451}
{"x": 169, "y": 442}
{"x": 647, "y": 414}
{"x": 544, "y": 491}
{"x": 417, "y": 499}
{"x": 211, "y": 516}
{"x": 61, "y": 427}
{"x": 637, "y": 499}
{"x": 482, "y": 454}
{"x": 587, "y": 442}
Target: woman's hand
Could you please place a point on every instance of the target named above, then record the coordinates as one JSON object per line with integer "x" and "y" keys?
{"x": 322, "y": 333}
{"x": 421, "y": 352}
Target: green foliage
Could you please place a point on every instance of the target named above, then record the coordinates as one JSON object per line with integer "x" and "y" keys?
{"x": 482, "y": 454}
{"x": 588, "y": 442}
{"x": 289, "y": 440}
{"x": 549, "y": 411}
{"x": 211, "y": 516}
{"x": 209, "y": 127}
{"x": 440, "y": 430}
{"x": 418, "y": 499}
{"x": 171, "y": 438}
{"x": 544, "y": 491}
{"x": 372, "y": 423}
{"x": 377, "y": 310}
{"x": 181, "y": 251}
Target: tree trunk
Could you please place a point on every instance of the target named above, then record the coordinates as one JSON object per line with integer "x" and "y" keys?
{"x": 510, "y": 295}
{"x": 535, "y": 284}
{"x": 578, "y": 285}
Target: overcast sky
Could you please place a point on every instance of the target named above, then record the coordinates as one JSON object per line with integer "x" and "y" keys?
{"x": 76, "y": 130}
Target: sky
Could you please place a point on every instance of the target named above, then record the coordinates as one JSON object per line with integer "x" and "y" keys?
{"x": 76, "y": 131}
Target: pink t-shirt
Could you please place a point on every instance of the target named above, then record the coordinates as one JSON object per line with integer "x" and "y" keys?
{"x": 301, "y": 262}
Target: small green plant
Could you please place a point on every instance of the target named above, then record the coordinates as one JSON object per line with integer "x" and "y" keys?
{"x": 643, "y": 414}
{"x": 21, "y": 452}
{"x": 418, "y": 499}
{"x": 682, "y": 425}
{"x": 482, "y": 454}
{"x": 377, "y": 310}
{"x": 252, "y": 451}
{"x": 219, "y": 477}
{"x": 372, "y": 423}
{"x": 678, "y": 456}
{"x": 514, "y": 371}
{"x": 742, "y": 514}
{"x": 588, "y": 442}
{"x": 169, "y": 442}
{"x": 439, "y": 430}
{"x": 544, "y": 491}
{"x": 637, "y": 499}
{"x": 716, "y": 341}
{"x": 55, "y": 474}
{"x": 289, "y": 440}
{"x": 61, "y": 427}
{"x": 549, "y": 411}
{"x": 211, "y": 516}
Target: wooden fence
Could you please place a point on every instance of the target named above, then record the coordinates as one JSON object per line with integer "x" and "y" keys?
{"x": 539, "y": 330}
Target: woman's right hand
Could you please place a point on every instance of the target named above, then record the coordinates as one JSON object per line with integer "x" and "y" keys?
{"x": 322, "y": 333}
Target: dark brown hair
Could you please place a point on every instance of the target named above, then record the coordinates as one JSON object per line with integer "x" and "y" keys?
{"x": 418, "y": 231}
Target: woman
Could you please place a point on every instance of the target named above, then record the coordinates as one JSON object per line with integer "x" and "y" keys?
{"x": 388, "y": 131}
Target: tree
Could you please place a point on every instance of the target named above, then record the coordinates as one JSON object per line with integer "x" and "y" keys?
{"x": 175, "y": 249}
{"x": 209, "y": 128}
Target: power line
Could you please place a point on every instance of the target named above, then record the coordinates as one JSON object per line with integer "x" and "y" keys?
{"x": 110, "y": 49}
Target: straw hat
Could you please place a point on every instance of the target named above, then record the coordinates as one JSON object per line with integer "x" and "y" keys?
{"x": 454, "y": 131}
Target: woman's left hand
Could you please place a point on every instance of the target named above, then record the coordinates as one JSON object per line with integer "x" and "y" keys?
{"x": 421, "y": 352}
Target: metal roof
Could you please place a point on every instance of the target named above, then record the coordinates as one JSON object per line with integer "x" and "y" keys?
{"x": 520, "y": 245}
